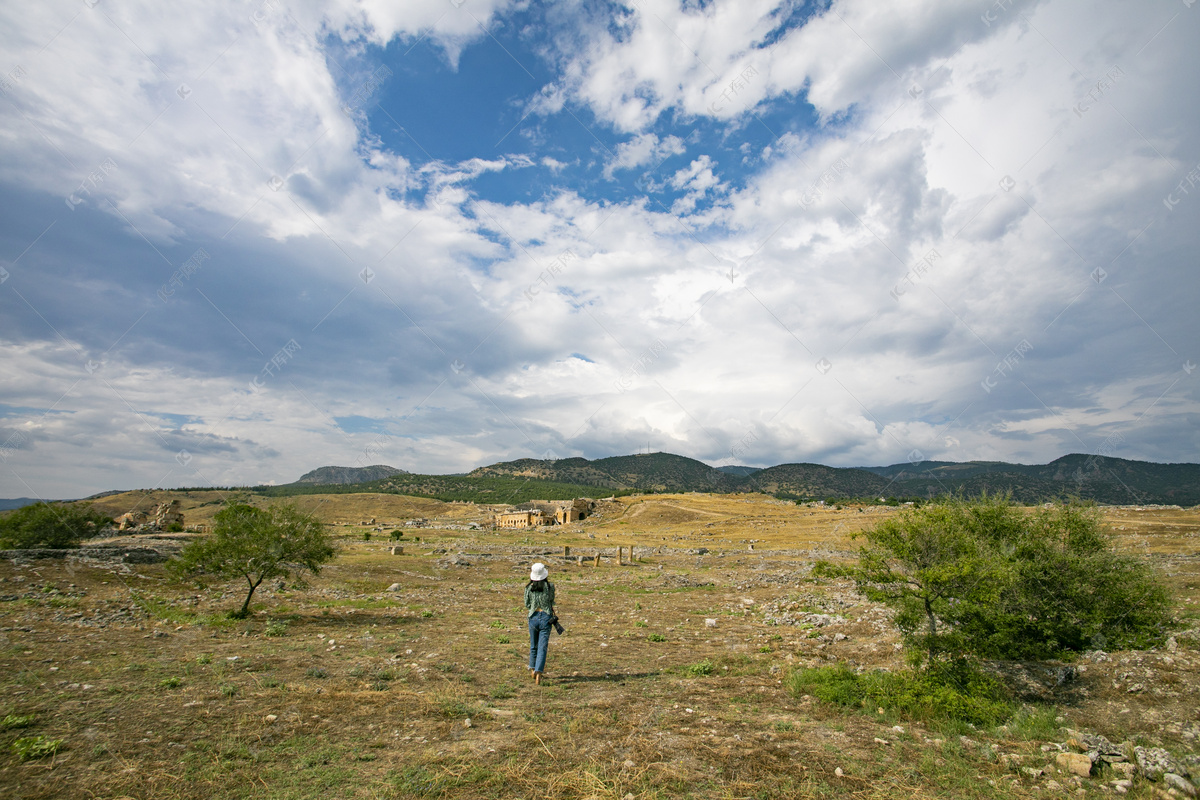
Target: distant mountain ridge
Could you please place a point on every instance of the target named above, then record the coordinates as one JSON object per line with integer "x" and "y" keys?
{"x": 1114, "y": 481}
{"x": 1111, "y": 481}
{"x": 341, "y": 476}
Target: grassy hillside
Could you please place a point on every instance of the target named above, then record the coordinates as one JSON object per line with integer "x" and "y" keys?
{"x": 464, "y": 488}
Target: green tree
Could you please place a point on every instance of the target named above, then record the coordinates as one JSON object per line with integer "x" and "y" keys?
{"x": 50, "y": 525}
{"x": 986, "y": 578}
{"x": 1071, "y": 591}
{"x": 258, "y": 545}
{"x": 933, "y": 566}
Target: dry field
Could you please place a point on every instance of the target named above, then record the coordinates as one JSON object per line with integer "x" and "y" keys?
{"x": 344, "y": 689}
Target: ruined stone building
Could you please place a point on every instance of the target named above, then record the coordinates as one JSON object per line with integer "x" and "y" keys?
{"x": 545, "y": 512}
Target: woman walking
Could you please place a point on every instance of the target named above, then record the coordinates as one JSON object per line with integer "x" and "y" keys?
{"x": 539, "y": 600}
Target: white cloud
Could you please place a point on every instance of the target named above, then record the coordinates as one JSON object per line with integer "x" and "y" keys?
{"x": 645, "y": 148}
{"x": 698, "y": 326}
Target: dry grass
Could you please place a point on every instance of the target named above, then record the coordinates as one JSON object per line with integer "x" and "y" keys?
{"x": 171, "y": 700}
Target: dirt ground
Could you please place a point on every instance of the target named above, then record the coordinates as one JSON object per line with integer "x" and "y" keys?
{"x": 669, "y": 683}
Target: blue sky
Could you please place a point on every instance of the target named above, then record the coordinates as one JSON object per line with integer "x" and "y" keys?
{"x": 240, "y": 243}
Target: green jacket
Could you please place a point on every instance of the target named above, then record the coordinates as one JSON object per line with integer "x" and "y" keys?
{"x": 539, "y": 601}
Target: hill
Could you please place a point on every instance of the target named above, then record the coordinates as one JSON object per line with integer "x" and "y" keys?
{"x": 817, "y": 480}
{"x": 649, "y": 472}
{"x": 337, "y": 476}
{"x": 16, "y": 502}
{"x": 451, "y": 488}
{"x": 1114, "y": 481}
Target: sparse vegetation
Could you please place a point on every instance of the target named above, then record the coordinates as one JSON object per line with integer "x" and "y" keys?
{"x": 12, "y": 721}
{"x": 30, "y": 747}
{"x": 367, "y": 696}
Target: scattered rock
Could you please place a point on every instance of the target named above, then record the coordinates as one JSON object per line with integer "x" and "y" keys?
{"x": 467, "y": 722}
{"x": 710, "y": 623}
{"x": 838, "y": 772}
{"x": 1076, "y": 763}
{"x": 1154, "y": 762}
{"x": 395, "y": 587}
{"x": 270, "y": 717}
{"x": 1123, "y": 768}
{"x": 1179, "y": 783}
{"x": 628, "y": 764}
{"x": 881, "y": 741}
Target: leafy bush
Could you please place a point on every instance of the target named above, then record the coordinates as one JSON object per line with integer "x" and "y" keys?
{"x": 50, "y": 525}
{"x": 950, "y": 692}
{"x": 987, "y": 579}
{"x": 656, "y": 637}
{"x": 700, "y": 669}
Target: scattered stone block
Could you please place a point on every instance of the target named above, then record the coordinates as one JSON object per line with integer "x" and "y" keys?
{"x": 1154, "y": 762}
{"x": 1179, "y": 784}
{"x": 1075, "y": 763}
{"x": 395, "y": 587}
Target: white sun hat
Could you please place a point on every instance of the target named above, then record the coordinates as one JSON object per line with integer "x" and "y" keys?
{"x": 539, "y": 572}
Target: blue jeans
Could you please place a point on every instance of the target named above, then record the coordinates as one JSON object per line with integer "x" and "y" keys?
{"x": 539, "y": 640}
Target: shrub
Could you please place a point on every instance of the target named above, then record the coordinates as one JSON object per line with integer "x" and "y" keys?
{"x": 275, "y": 628}
{"x": 986, "y": 579}
{"x": 700, "y": 669}
{"x": 656, "y": 637}
{"x": 50, "y": 525}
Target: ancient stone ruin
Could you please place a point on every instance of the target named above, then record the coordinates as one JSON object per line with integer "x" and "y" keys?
{"x": 163, "y": 517}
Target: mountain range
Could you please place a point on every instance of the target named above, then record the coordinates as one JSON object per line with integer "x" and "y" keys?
{"x": 1113, "y": 481}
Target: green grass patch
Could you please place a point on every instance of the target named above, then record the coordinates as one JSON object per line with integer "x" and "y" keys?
{"x": 1035, "y": 724}
{"x": 700, "y": 669}
{"x": 275, "y": 627}
{"x": 465, "y": 780}
{"x": 950, "y": 693}
{"x": 12, "y": 721}
{"x": 30, "y": 747}
{"x": 656, "y": 637}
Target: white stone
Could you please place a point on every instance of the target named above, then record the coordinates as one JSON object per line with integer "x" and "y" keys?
{"x": 710, "y": 623}
{"x": 395, "y": 587}
{"x": 838, "y": 772}
{"x": 270, "y": 717}
{"x": 1179, "y": 783}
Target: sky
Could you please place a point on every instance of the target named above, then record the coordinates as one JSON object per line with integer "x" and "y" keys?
{"x": 243, "y": 240}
